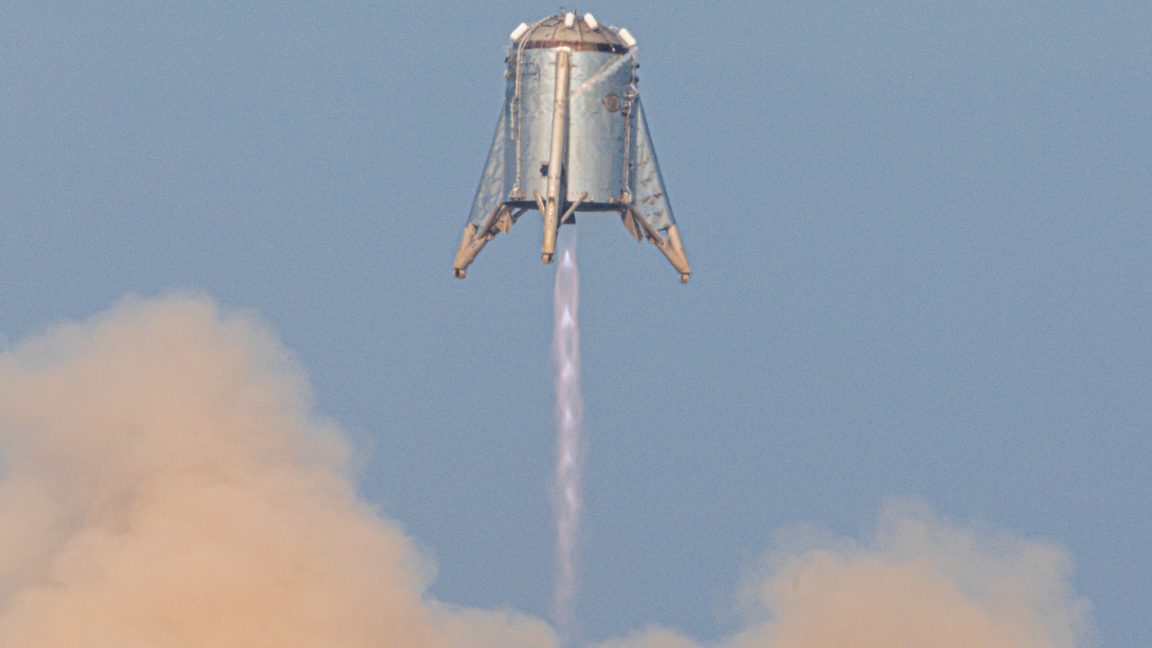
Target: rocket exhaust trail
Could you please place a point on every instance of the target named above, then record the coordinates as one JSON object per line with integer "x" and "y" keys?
{"x": 566, "y": 494}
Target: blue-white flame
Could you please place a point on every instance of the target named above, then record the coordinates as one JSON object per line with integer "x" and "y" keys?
{"x": 569, "y": 434}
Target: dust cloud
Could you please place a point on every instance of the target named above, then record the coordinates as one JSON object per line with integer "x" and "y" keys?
{"x": 921, "y": 582}
{"x": 165, "y": 482}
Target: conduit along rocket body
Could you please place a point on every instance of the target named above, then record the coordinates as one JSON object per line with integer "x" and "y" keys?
{"x": 571, "y": 138}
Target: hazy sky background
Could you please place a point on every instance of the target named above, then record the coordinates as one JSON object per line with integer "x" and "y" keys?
{"x": 920, "y": 237}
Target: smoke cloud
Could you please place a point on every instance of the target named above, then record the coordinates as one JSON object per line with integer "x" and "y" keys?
{"x": 165, "y": 482}
{"x": 921, "y": 582}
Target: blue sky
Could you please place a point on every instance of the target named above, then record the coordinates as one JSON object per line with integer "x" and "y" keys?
{"x": 919, "y": 237}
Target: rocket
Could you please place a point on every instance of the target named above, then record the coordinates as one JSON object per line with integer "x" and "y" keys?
{"x": 571, "y": 138}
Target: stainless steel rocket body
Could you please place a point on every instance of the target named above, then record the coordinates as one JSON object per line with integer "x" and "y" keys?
{"x": 571, "y": 138}
{"x": 595, "y": 160}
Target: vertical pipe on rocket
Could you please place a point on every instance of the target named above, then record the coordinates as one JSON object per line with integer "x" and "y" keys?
{"x": 556, "y": 157}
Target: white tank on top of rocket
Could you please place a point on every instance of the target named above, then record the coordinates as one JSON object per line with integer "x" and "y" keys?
{"x": 571, "y": 138}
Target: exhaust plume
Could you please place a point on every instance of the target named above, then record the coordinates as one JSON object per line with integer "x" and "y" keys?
{"x": 165, "y": 483}
{"x": 569, "y": 430}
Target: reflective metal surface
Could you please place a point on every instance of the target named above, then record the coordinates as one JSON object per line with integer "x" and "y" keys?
{"x": 595, "y": 132}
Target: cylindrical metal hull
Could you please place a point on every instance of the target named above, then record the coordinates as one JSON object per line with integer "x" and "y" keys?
{"x": 596, "y": 123}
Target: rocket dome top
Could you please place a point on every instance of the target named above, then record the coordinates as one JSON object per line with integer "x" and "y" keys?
{"x": 581, "y": 32}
